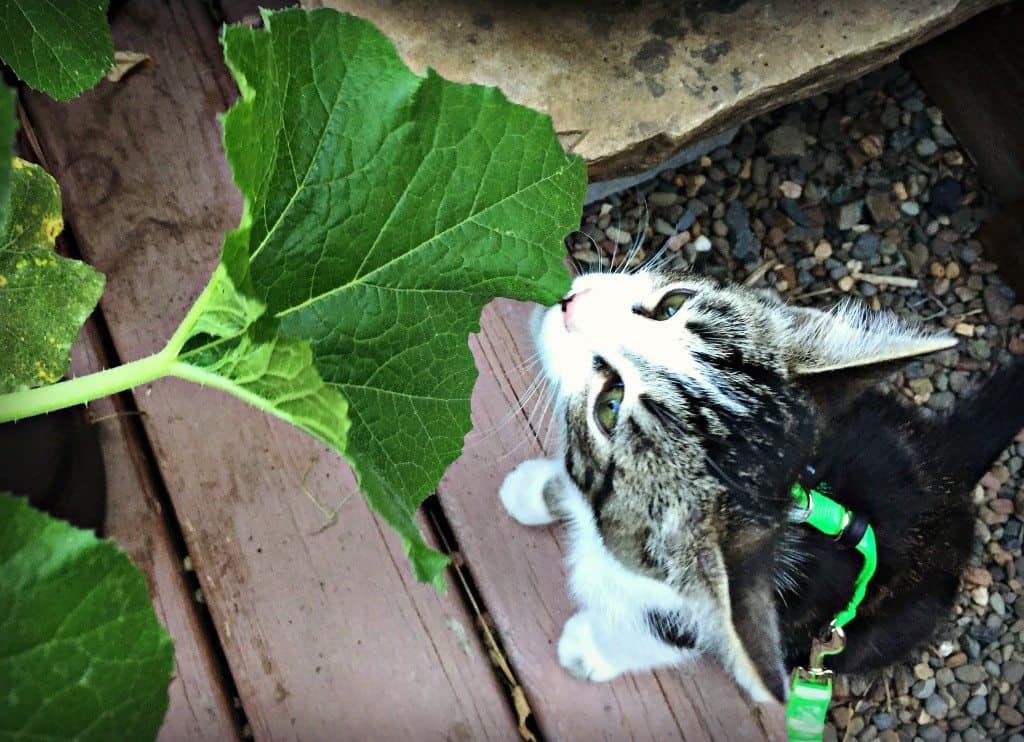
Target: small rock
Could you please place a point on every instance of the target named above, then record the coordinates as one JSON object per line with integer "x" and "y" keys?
{"x": 786, "y": 142}
{"x": 663, "y": 227}
{"x": 881, "y": 208}
{"x": 970, "y": 674}
{"x": 941, "y": 401}
{"x": 922, "y": 670}
{"x": 1009, "y": 715}
{"x": 958, "y": 659}
{"x": 977, "y": 706}
{"x": 997, "y": 304}
{"x": 618, "y": 236}
{"x": 685, "y": 221}
{"x": 910, "y": 208}
{"x": 850, "y": 215}
{"x": 790, "y": 189}
{"x": 866, "y": 246}
{"x": 1013, "y": 672}
{"x": 823, "y": 251}
{"x": 702, "y": 244}
{"x": 923, "y": 688}
{"x": 978, "y": 576}
{"x": 871, "y": 146}
{"x": 936, "y": 706}
{"x": 663, "y": 198}
{"x": 945, "y": 196}
{"x": 742, "y": 239}
{"x": 925, "y": 147}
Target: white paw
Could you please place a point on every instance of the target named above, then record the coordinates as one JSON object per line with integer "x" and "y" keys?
{"x": 578, "y": 652}
{"x": 522, "y": 492}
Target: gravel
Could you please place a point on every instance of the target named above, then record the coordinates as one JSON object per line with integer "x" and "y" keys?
{"x": 839, "y": 195}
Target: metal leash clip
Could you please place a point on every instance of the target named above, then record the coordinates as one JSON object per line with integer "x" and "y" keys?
{"x": 810, "y": 690}
{"x": 834, "y": 643}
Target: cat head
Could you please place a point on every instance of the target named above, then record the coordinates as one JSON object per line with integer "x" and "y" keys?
{"x": 687, "y": 418}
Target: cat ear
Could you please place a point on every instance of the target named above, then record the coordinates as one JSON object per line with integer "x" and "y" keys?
{"x": 851, "y": 335}
{"x": 752, "y": 642}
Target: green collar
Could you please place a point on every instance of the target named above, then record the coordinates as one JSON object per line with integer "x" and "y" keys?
{"x": 811, "y": 688}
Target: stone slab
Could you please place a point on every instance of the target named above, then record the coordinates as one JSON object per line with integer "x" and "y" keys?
{"x": 630, "y": 84}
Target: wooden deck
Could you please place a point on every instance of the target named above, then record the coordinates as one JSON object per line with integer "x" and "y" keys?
{"x": 308, "y": 629}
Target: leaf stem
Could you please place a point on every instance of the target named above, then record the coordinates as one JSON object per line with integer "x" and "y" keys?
{"x": 16, "y": 405}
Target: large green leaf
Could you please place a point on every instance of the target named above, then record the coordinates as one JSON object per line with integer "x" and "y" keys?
{"x": 382, "y": 211}
{"x": 44, "y": 298}
{"x": 8, "y": 126}
{"x": 61, "y": 47}
{"x": 82, "y": 655}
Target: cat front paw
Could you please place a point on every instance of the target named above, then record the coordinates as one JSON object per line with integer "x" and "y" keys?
{"x": 522, "y": 492}
{"x": 578, "y": 652}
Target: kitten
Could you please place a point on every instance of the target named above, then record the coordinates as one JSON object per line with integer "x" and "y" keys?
{"x": 690, "y": 409}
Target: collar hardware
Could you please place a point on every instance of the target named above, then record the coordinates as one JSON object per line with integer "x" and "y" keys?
{"x": 810, "y": 689}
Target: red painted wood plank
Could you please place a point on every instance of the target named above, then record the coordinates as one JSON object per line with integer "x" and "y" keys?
{"x": 520, "y": 574}
{"x": 326, "y": 633}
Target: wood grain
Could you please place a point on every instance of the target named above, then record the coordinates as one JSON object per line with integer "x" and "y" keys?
{"x": 981, "y": 95}
{"x": 200, "y": 706}
{"x": 520, "y": 574}
{"x": 326, "y": 633}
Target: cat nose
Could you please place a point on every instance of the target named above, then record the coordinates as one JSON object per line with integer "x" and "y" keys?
{"x": 570, "y": 305}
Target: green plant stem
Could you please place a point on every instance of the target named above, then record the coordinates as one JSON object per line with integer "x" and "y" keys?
{"x": 16, "y": 405}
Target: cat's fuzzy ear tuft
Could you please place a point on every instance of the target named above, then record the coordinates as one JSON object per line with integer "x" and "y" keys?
{"x": 850, "y": 335}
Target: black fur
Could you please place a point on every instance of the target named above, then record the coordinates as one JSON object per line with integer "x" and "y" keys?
{"x": 911, "y": 479}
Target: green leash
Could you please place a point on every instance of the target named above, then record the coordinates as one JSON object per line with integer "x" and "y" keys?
{"x": 810, "y": 690}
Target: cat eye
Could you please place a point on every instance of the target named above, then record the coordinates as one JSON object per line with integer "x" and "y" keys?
{"x": 606, "y": 411}
{"x": 670, "y": 304}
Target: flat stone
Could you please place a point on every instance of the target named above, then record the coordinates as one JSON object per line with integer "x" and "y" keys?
{"x": 997, "y": 304}
{"x": 743, "y": 242}
{"x": 630, "y": 84}
{"x": 850, "y": 215}
{"x": 882, "y": 209}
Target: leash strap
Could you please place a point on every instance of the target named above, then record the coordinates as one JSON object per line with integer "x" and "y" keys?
{"x": 810, "y": 690}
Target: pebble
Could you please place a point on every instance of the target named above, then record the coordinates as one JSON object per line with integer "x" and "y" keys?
{"x": 970, "y": 674}
{"x": 977, "y": 706}
{"x": 945, "y": 196}
{"x": 850, "y": 215}
{"x": 1009, "y": 715}
{"x": 1013, "y": 672}
{"x": 618, "y": 236}
{"x": 743, "y": 242}
{"x": 790, "y": 189}
{"x": 702, "y": 244}
{"x": 936, "y": 706}
{"x": 997, "y": 304}
{"x": 786, "y": 142}
{"x": 881, "y": 208}
{"x": 866, "y": 246}
{"x": 926, "y": 147}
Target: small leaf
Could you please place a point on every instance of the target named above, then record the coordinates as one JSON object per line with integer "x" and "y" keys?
{"x": 61, "y": 48}
{"x": 44, "y": 298}
{"x": 383, "y": 210}
{"x": 82, "y": 655}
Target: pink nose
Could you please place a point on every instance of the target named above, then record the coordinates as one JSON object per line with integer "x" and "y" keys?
{"x": 570, "y": 306}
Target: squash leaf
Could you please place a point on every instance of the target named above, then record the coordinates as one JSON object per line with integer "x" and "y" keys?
{"x": 383, "y": 210}
{"x": 44, "y": 298}
{"x": 82, "y": 655}
{"x": 61, "y": 48}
